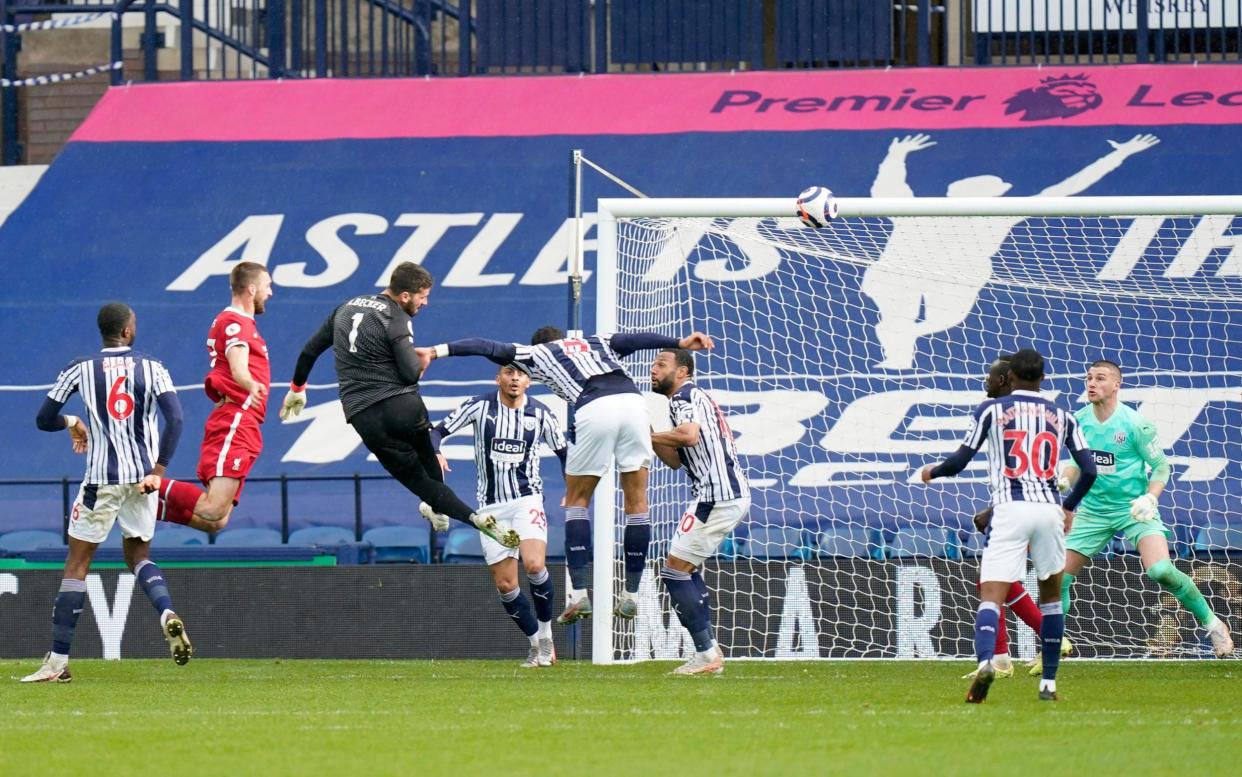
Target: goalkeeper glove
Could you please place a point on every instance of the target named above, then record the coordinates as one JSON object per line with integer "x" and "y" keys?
{"x": 295, "y": 400}
{"x": 1143, "y": 509}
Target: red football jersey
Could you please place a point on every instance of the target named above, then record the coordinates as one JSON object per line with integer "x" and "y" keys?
{"x": 234, "y": 328}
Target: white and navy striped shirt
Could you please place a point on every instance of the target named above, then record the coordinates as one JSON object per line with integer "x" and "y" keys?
{"x": 1026, "y": 436}
{"x": 506, "y": 444}
{"x": 120, "y": 389}
{"x": 565, "y": 366}
{"x": 712, "y": 462}
{"x": 578, "y": 370}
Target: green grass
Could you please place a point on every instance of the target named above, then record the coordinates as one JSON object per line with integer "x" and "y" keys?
{"x": 487, "y": 717}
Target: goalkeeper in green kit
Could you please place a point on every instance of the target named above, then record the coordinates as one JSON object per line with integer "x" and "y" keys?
{"x": 1123, "y": 499}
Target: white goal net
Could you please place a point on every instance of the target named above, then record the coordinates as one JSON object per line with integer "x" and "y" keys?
{"x": 850, "y": 356}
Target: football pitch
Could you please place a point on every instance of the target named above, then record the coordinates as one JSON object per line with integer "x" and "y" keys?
{"x": 489, "y": 717}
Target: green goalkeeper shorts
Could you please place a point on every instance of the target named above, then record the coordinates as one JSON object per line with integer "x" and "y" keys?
{"x": 1091, "y": 533}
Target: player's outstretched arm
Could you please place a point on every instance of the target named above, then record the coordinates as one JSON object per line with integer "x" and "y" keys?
{"x": 697, "y": 341}
{"x": 496, "y": 351}
{"x": 950, "y": 466}
{"x": 319, "y": 342}
{"x": 626, "y": 343}
{"x": 981, "y": 422}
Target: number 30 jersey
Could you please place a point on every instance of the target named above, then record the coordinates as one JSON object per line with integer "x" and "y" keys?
{"x": 120, "y": 389}
{"x": 1026, "y": 435}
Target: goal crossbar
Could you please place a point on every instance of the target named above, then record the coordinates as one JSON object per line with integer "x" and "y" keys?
{"x": 776, "y": 207}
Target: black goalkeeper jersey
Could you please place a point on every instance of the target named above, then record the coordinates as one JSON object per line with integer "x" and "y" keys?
{"x": 372, "y": 339}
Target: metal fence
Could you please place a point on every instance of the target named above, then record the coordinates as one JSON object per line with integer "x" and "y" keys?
{"x": 363, "y": 38}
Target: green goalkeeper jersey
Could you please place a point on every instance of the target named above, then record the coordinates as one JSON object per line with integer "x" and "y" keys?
{"x": 1124, "y": 447}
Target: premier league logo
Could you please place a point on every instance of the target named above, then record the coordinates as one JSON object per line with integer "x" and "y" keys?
{"x": 1057, "y": 97}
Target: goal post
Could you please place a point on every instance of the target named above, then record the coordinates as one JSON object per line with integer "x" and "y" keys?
{"x": 848, "y": 357}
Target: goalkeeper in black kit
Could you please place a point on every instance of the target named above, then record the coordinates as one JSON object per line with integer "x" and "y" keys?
{"x": 377, "y": 369}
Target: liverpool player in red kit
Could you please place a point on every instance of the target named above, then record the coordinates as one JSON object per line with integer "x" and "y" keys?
{"x": 238, "y": 383}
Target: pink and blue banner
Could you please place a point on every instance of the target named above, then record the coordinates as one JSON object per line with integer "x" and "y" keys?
{"x": 329, "y": 183}
{"x": 803, "y": 101}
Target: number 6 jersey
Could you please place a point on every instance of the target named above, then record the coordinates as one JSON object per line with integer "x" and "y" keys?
{"x": 120, "y": 389}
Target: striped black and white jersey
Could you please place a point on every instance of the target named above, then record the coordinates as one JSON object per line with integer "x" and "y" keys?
{"x": 565, "y": 366}
{"x": 1026, "y": 436}
{"x": 506, "y": 444}
{"x": 711, "y": 463}
{"x": 120, "y": 389}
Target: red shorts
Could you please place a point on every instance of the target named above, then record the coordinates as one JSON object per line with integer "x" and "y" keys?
{"x": 232, "y": 440}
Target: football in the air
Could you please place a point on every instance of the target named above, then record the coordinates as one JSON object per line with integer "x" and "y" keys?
{"x": 817, "y": 206}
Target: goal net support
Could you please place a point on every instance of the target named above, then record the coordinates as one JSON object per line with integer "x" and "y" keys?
{"x": 848, "y": 357}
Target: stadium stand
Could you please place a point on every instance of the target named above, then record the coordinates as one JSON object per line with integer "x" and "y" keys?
{"x": 247, "y": 538}
{"x": 400, "y": 544}
{"x": 463, "y": 547}
{"x": 775, "y": 543}
{"x": 15, "y": 542}
{"x": 177, "y": 537}
{"x": 850, "y": 542}
{"x": 321, "y": 536}
{"x": 1219, "y": 539}
{"x": 924, "y": 541}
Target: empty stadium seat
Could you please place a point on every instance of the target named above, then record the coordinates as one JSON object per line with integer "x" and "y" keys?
{"x": 400, "y": 544}
{"x": 29, "y": 539}
{"x": 173, "y": 536}
{"x": 1219, "y": 538}
{"x": 247, "y": 538}
{"x": 850, "y": 542}
{"x": 556, "y": 544}
{"x": 929, "y": 541}
{"x": 775, "y": 542}
{"x": 463, "y": 547}
{"x": 321, "y": 535}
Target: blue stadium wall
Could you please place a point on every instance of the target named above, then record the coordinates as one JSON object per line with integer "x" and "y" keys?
{"x": 330, "y": 182}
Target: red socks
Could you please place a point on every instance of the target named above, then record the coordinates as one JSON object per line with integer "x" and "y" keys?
{"x": 1022, "y": 605}
{"x": 177, "y": 501}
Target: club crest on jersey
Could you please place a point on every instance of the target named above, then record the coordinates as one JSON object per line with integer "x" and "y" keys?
{"x": 508, "y": 451}
{"x": 529, "y": 424}
{"x": 1119, "y": 438}
{"x": 232, "y": 329}
{"x": 237, "y": 463}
